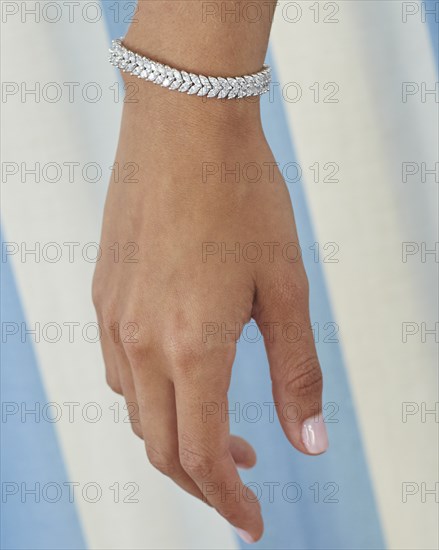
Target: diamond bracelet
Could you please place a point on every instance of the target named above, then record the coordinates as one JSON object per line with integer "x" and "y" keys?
{"x": 189, "y": 83}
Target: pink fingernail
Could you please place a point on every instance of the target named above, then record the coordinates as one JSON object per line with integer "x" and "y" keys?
{"x": 246, "y": 537}
{"x": 314, "y": 435}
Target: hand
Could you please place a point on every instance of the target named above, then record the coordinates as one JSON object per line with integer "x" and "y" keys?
{"x": 187, "y": 296}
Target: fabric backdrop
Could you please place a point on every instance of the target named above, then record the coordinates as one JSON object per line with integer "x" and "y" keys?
{"x": 352, "y": 121}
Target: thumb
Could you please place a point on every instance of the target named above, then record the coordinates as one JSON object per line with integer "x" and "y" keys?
{"x": 282, "y": 314}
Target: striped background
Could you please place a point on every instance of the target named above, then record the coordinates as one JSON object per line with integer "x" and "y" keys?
{"x": 368, "y": 294}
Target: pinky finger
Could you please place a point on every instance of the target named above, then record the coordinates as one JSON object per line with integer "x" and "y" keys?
{"x": 243, "y": 453}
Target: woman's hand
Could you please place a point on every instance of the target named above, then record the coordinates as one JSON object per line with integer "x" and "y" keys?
{"x": 214, "y": 235}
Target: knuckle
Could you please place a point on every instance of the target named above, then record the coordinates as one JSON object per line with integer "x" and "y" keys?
{"x": 135, "y": 339}
{"x": 114, "y": 383}
{"x": 198, "y": 466}
{"x": 185, "y": 355}
{"x": 168, "y": 466}
{"x": 136, "y": 427}
{"x": 294, "y": 285}
{"x": 136, "y": 353}
{"x": 109, "y": 318}
{"x": 183, "y": 342}
{"x": 97, "y": 293}
{"x": 303, "y": 378}
{"x": 96, "y": 297}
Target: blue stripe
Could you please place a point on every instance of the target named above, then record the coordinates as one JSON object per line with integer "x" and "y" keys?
{"x": 117, "y": 15}
{"x": 430, "y": 8}
{"x": 30, "y": 453}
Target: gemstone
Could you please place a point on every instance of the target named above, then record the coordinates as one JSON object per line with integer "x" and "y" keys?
{"x": 185, "y": 86}
{"x": 195, "y": 79}
{"x": 175, "y": 85}
{"x": 194, "y": 89}
{"x": 214, "y": 91}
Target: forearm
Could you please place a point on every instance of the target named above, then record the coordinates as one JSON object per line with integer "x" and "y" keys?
{"x": 204, "y": 37}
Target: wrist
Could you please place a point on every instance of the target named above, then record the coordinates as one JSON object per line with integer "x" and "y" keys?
{"x": 160, "y": 112}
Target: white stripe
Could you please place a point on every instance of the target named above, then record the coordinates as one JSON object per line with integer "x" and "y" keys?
{"x": 370, "y": 132}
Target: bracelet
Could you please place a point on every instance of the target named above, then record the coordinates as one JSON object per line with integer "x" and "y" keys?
{"x": 189, "y": 83}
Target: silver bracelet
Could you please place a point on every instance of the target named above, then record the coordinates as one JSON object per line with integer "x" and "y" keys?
{"x": 189, "y": 83}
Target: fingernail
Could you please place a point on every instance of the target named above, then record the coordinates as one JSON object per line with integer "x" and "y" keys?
{"x": 314, "y": 435}
{"x": 246, "y": 537}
